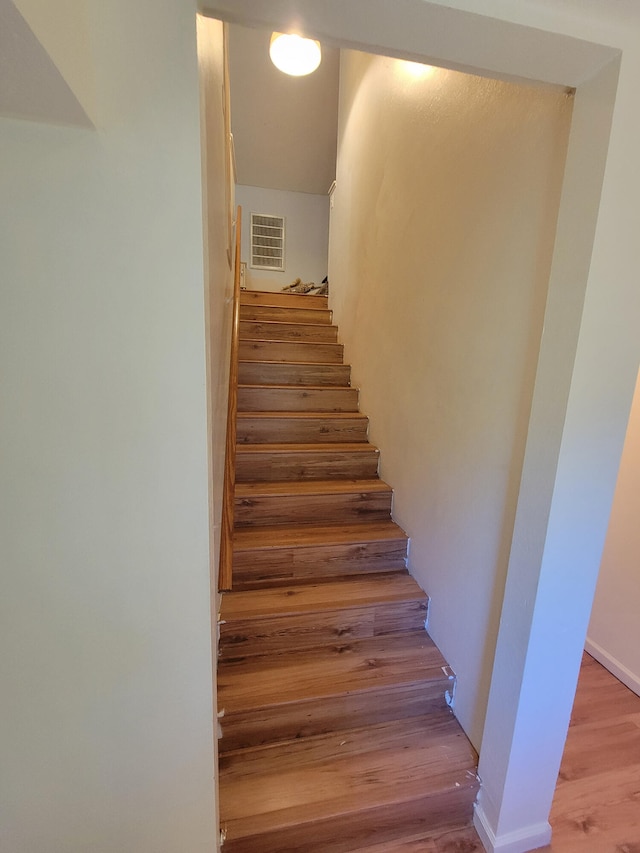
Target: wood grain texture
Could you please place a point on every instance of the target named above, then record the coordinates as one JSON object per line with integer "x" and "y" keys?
{"x": 287, "y": 300}
{"x": 266, "y": 462}
{"x": 296, "y": 351}
{"x": 270, "y": 635}
{"x": 270, "y": 330}
{"x": 330, "y": 714}
{"x": 300, "y": 792}
{"x": 335, "y": 732}
{"x": 301, "y": 427}
{"x": 225, "y": 565}
{"x": 293, "y": 373}
{"x": 271, "y": 621}
{"x": 308, "y": 501}
{"x": 345, "y": 592}
{"x": 288, "y": 314}
{"x": 285, "y": 398}
{"x": 447, "y": 841}
{"x": 597, "y": 801}
{"x": 265, "y": 556}
{"x": 343, "y": 667}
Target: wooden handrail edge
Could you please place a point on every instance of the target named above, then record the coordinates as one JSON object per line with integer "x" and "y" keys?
{"x": 225, "y": 570}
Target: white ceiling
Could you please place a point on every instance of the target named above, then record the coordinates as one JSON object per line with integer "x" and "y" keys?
{"x": 284, "y": 128}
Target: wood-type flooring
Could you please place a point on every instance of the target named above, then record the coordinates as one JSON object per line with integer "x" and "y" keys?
{"x": 596, "y": 808}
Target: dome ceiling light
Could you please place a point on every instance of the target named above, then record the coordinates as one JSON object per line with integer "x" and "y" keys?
{"x": 294, "y": 54}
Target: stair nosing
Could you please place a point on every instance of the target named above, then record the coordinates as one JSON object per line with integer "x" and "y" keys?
{"x": 294, "y": 363}
{"x": 306, "y": 415}
{"x": 296, "y": 597}
{"x": 360, "y": 533}
{"x": 320, "y": 447}
{"x": 280, "y": 387}
{"x": 282, "y": 488}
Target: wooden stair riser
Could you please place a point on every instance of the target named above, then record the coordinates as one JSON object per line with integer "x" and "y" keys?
{"x": 297, "y": 351}
{"x": 275, "y": 314}
{"x": 295, "y": 508}
{"x": 338, "y": 834}
{"x": 438, "y": 840}
{"x": 307, "y": 630}
{"x": 336, "y": 735}
{"x": 257, "y": 398}
{"x": 291, "y": 429}
{"x": 313, "y": 717}
{"x": 299, "y": 786}
{"x": 287, "y": 300}
{"x": 307, "y": 464}
{"x": 272, "y": 331}
{"x": 254, "y": 569}
{"x": 288, "y": 373}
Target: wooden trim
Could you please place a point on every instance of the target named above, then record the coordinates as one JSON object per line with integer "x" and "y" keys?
{"x": 225, "y": 577}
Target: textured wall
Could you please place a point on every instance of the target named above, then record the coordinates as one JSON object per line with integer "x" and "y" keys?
{"x": 441, "y": 242}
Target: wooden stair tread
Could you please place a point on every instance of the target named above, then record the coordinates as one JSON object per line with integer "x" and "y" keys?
{"x": 320, "y": 534}
{"x": 283, "y": 330}
{"x": 277, "y": 298}
{"x": 298, "y": 388}
{"x": 320, "y": 352}
{"x": 335, "y": 733}
{"x": 329, "y": 364}
{"x": 276, "y": 312}
{"x": 299, "y": 462}
{"x": 297, "y": 398}
{"x": 337, "y": 447}
{"x": 328, "y": 374}
{"x": 310, "y": 487}
{"x": 270, "y": 323}
{"x": 297, "y": 676}
{"x": 303, "y": 415}
{"x": 331, "y": 595}
{"x": 345, "y": 772}
{"x": 439, "y": 841}
{"x": 306, "y": 342}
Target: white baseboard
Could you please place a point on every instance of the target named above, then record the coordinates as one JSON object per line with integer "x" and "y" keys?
{"x": 522, "y": 841}
{"x": 621, "y": 672}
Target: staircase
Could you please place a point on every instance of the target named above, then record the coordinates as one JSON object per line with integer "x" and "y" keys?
{"x": 336, "y": 734}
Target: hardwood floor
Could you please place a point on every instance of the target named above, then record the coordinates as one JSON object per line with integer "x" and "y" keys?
{"x": 596, "y": 808}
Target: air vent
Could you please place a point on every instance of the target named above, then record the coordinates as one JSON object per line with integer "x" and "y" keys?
{"x": 267, "y": 242}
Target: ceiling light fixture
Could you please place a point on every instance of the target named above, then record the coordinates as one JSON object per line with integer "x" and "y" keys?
{"x": 294, "y": 54}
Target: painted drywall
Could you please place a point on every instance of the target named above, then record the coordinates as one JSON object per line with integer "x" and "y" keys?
{"x": 585, "y": 379}
{"x": 284, "y": 127}
{"x": 307, "y": 235}
{"x": 107, "y": 731}
{"x": 62, "y": 28}
{"x": 218, "y": 204}
{"x": 560, "y": 41}
{"x": 219, "y": 214}
{"x": 614, "y": 630}
{"x": 31, "y": 86}
{"x": 441, "y": 241}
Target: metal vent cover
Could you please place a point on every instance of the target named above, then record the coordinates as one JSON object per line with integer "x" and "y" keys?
{"x": 267, "y": 242}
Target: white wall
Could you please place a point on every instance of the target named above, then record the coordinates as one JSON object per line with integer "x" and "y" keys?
{"x": 588, "y": 359}
{"x": 614, "y": 630}
{"x": 307, "y": 235}
{"x": 107, "y": 734}
{"x": 441, "y": 240}
{"x": 219, "y": 239}
{"x": 284, "y": 127}
{"x": 63, "y": 30}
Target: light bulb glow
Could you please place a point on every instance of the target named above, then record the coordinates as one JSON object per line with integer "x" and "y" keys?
{"x": 416, "y": 70}
{"x": 294, "y": 55}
